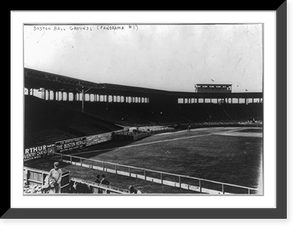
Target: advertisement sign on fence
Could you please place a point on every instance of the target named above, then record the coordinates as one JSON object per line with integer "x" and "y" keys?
{"x": 95, "y": 139}
{"x": 67, "y": 145}
{"x": 37, "y": 152}
{"x": 70, "y": 144}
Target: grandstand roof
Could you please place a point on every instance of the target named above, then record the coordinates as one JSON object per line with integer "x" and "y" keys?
{"x": 40, "y": 79}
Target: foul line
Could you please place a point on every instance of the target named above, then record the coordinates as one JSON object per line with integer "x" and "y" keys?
{"x": 166, "y": 140}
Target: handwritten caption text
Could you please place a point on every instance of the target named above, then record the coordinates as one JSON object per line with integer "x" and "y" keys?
{"x": 86, "y": 28}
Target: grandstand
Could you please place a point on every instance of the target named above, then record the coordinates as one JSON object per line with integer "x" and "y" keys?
{"x": 127, "y": 105}
{"x": 64, "y": 112}
{"x": 48, "y": 121}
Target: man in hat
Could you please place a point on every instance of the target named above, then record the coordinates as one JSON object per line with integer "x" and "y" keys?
{"x": 97, "y": 180}
{"x": 53, "y": 179}
{"x": 133, "y": 190}
{"x": 104, "y": 181}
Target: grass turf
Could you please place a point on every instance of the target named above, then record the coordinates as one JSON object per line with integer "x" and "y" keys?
{"x": 197, "y": 153}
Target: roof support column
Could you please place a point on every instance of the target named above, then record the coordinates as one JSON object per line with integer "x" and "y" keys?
{"x": 45, "y": 94}
{"x": 82, "y": 101}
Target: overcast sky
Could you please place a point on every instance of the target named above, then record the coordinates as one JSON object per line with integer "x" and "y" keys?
{"x": 167, "y": 57}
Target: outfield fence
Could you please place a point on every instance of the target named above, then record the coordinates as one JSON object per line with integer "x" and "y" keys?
{"x": 165, "y": 178}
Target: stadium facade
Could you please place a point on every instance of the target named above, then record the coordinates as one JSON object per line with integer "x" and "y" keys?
{"x": 61, "y": 88}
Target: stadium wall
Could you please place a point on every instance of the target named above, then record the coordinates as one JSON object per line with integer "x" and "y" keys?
{"x": 66, "y": 145}
{"x": 81, "y": 142}
{"x": 86, "y": 141}
{"x": 38, "y": 151}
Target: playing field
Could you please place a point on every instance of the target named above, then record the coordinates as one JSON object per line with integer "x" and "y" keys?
{"x": 231, "y": 155}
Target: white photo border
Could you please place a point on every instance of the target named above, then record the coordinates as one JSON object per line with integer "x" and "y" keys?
{"x": 164, "y": 203}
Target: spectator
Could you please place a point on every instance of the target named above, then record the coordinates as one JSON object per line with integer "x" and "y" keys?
{"x": 132, "y": 190}
{"x": 53, "y": 180}
{"x": 95, "y": 190}
{"x": 104, "y": 180}
{"x": 97, "y": 180}
{"x": 76, "y": 187}
{"x": 72, "y": 187}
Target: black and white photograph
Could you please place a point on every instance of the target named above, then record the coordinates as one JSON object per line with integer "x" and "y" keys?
{"x": 158, "y": 109}
{"x": 143, "y": 109}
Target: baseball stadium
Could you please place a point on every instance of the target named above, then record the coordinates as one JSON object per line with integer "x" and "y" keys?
{"x": 142, "y": 140}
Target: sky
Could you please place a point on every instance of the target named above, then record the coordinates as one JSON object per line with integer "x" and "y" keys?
{"x": 166, "y": 57}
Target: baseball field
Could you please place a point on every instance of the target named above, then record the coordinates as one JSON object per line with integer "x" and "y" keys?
{"x": 230, "y": 154}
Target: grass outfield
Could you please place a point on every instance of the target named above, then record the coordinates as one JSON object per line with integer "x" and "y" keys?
{"x": 198, "y": 153}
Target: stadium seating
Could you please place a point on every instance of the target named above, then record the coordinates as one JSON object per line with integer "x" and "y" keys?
{"x": 49, "y": 121}
{"x": 152, "y": 114}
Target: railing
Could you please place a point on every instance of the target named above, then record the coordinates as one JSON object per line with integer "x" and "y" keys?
{"x": 175, "y": 180}
{"x": 103, "y": 188}
{"x": 34, "y": 176}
